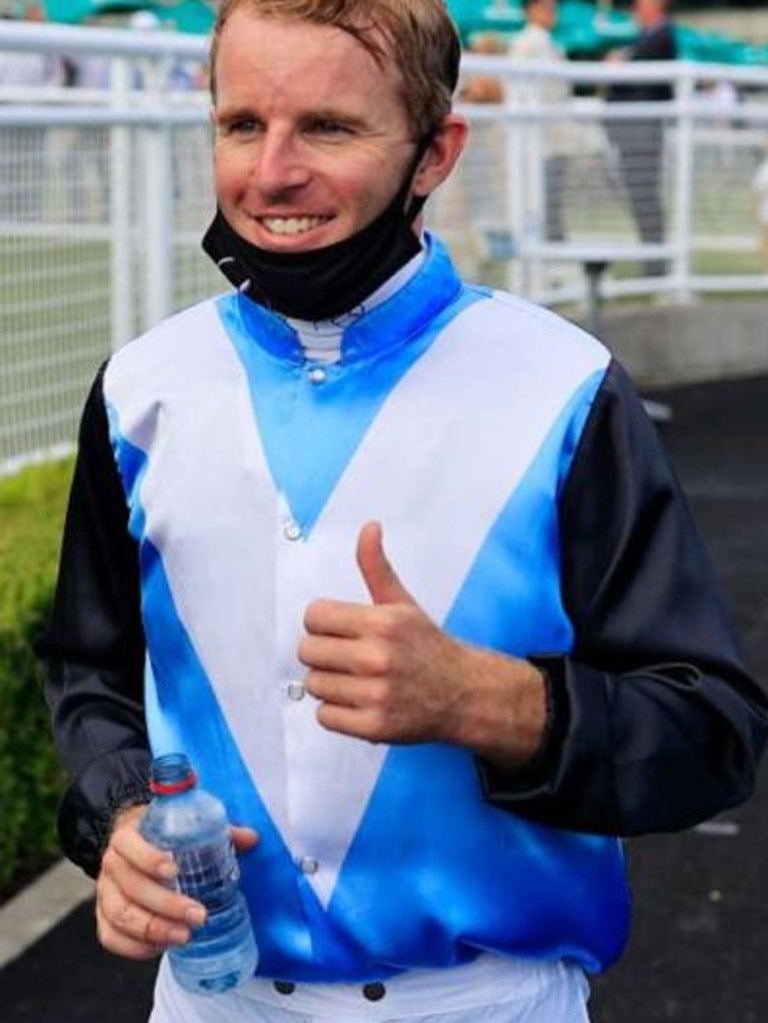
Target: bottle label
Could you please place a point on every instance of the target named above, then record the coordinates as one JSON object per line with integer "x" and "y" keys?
{"x": 209, "y": 874}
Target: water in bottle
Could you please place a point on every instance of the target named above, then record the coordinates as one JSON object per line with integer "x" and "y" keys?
{"x": 193, "y": 825}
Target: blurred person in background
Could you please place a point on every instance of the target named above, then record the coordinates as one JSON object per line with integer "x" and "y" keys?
{"x": 87, "y": 149}
{"x": 475, "y": 194}
{"x": 640, "y": 143}
{"x": 439, "y": 744}
{"x": 144, "y": 73}
{"x": 483, "y": 88}
{"x": 536, "y": 43}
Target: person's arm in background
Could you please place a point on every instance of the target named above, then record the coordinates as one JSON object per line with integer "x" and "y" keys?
{"x": 657, "y": 725}
{"x": 658, "y": 44}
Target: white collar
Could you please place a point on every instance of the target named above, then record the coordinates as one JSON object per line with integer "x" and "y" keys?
{"x": 321, "y": 339}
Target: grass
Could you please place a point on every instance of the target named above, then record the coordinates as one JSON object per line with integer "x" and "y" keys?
{"x": 32, "y": 507}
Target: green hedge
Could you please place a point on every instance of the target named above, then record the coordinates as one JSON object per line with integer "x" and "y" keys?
{"x": 32, "y": 507}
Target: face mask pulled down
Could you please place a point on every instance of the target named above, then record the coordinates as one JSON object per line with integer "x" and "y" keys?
{"x": 321, "y": 283}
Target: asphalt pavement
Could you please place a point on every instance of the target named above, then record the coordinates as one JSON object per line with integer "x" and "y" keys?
{"x": 699, "y": 949}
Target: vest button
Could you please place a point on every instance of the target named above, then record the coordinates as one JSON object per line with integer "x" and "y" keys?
{"x": 374, "y": 992}
{"x": 284, "y": 987}
{"x": 296, "y": 691}
{"x": 292, "y": 530}
{"x": 308, "y": 865}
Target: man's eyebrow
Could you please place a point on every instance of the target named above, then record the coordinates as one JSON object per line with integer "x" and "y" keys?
{"x": 348, "y": 117}
{"x": 234, "y": 113}
{"x": 227, "y": 115}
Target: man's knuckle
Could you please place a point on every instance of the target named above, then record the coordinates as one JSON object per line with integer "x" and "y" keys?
{"x": 390, "y": 622}
{"x": 325, "y": 715}
{"x": 122, "y": 912}
{"x": 312, "y": 615}
{"x": 109, "y": 860}
{"x": 377, "y": 726}
{"x": 155, "y": 931}
{"x": 377, "y": 660}
{"x": 381, "y": 697}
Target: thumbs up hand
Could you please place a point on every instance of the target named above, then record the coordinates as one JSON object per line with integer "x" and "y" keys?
{"x": 385, "y": 672}
{"x": 380, "y": 577}
{"x": 378, "y": 668}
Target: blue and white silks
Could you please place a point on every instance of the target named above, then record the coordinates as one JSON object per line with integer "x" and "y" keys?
{"x": 452, "y": 418}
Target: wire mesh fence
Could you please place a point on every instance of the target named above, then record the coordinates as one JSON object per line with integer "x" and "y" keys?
{"x": 663, "y": 191}
{"x": 62, "y": 265}
{"x": 106, "y": 192}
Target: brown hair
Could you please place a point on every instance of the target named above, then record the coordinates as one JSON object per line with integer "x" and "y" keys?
{"x": 417, "y": 34}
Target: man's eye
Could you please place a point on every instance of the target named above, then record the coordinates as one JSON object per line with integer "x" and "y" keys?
{"x": 329, "y": 128}
{"x": 244, "y": 126}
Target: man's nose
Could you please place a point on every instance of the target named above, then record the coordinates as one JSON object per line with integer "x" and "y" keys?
{"x": 281, "y": 164}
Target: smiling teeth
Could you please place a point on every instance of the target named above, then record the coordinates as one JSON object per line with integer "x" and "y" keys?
{"x": 292, "y": 225}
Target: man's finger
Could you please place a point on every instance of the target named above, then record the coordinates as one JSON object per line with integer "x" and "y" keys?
{"x": 244, "y": 839}
{"x": 353, "y": 721}
{"x": 128, "y": 842}
{"x": 337, "y": 618}
{"x": 383, "y": 582}
{"x": 121, "y": 945}
{"x": 332, "y": 688}
{"x": 344, "y": 656}
{"x": 120, "y": 914}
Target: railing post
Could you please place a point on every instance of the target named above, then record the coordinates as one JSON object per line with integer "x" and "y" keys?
{"x": 516, "y": 183}
{"x": 684, "y": 96}
{"x": 159, "y": 211}
{"x": 536, "y": 130}
{"x": 121, "y": 241}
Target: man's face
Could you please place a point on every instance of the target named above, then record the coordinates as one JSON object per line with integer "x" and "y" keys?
{"x": 648, "y": 12}
{"x": 543, "y": 13}
{"x": 312, "y": 137}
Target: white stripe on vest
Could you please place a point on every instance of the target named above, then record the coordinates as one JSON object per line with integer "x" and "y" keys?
{"x": 446, "y": 451}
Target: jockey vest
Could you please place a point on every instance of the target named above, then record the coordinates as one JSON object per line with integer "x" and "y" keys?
{"x": 452, "y": 417}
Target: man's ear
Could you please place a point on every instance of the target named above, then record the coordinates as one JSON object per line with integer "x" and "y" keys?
{"x": 440, "y": 158}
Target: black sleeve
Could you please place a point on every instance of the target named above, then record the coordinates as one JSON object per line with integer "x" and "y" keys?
{"x": 658, "y": 724}
{"x": 93, "y": 649}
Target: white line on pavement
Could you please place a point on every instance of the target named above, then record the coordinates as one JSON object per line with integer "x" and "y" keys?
{"x": 39, "y": 907}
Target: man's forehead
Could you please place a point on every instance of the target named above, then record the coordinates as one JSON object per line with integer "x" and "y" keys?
{"x": 320, "y": 61}
{"x": 377, "y": 46}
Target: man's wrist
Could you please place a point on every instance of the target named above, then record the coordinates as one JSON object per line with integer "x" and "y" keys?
{"x": 132, "y": 803}
{"x": 505, "y": 709}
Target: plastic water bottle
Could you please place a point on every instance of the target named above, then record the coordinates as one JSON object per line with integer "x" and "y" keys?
{"x": 193, "y": 825}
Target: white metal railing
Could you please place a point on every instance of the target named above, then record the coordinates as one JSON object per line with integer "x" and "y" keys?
{"x": 105, "y": 193}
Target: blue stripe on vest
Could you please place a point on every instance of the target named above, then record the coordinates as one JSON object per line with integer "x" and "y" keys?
{"x": 563, "y": 894}
{"x": 292, "y": 930}
{"x": 296, "y": 417}
{"x": 466, "y": 876}
{"x": 520, "y": 557}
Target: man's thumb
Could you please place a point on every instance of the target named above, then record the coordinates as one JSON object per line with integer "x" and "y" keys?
{"x": 381, "y": 579}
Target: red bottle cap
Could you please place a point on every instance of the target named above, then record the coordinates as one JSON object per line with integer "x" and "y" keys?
{"x": 161, "y": 788}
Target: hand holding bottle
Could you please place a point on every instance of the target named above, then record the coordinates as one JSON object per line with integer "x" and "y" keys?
{"x": 138, "y": 915}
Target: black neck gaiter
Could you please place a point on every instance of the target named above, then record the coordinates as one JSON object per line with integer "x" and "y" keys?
{"x": 325, "y": 282}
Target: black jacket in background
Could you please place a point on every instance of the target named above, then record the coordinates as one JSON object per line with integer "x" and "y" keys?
{"x": 659, "y": 43}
